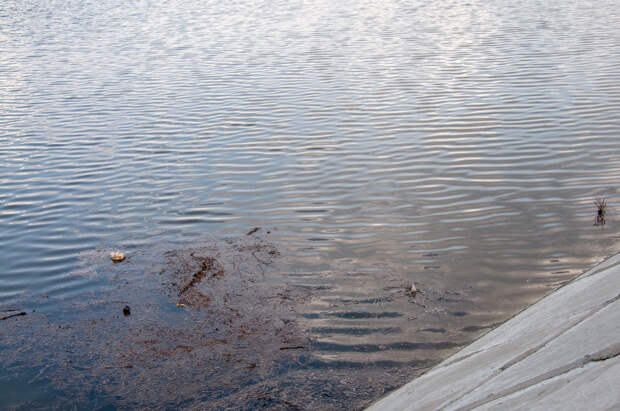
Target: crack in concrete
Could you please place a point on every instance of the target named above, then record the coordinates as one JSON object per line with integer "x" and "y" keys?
{"x": 605, "y": 354}
{"x": 602, "y": 355}
{"x": 578, "y": 321}
{"x": 537, "y": 348}
{"x": 456, "y": 360}
{"x": 604, "y": 266}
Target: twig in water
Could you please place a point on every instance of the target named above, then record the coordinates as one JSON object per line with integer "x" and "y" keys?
{"x": 12, "y": 315}
{"x": 208, "y": 264}
{"x": 252, "y": 231}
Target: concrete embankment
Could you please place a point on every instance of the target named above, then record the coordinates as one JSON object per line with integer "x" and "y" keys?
{"x": 560, "y": 353}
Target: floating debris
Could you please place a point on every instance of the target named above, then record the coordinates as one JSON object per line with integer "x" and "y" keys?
{"x": 12, "y": 315}
{"x": 211, "y": 319}
{"x": 601, "y": 210}
{"x": 126, "y": 311}
{"x": 117, "y": 256}
{"x": 252, "y": 231}
{"x": 413, "y": 292}
{"x": 209, "y": 265}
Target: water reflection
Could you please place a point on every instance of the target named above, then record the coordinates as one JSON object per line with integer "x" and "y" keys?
{"x": 455, "y": 145}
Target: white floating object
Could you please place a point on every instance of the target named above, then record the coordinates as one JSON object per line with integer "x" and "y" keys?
{"x": 117, "y": 256}
{"x": 413, "y": 290}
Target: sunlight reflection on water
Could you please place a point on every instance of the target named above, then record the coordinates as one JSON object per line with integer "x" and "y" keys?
{"x": 455, "y": 145}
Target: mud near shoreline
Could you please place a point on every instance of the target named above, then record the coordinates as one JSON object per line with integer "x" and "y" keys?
{"x": 210, "y": 328}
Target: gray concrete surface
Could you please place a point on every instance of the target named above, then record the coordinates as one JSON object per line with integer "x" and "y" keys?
{"x": 562, "y": 353}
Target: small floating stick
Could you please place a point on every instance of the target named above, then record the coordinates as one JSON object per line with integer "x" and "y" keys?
{"x": 12, "y": 315}
{"x": 252, "y": 231}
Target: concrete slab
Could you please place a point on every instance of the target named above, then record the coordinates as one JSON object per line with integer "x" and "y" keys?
{"x": 579, "y": 389}
{"x": 564, "y": 340}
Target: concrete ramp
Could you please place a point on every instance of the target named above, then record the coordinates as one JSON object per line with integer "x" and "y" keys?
{"x": 560, "y": 353}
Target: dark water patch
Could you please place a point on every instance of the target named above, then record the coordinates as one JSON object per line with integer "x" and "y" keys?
{"x": 368, "y": 348}
{"x": 355, "y": 331}
{"x": 370, "y": 364}
{"x": 476, "y": 328}
{"x": 312, "y": 387}
{"x": 199, "y": 314}
{"x": 355, "y": 315}
{"x": 27, "y": 391}
{"x": 435, "y": 330}
{"x": 376, "y": 300}
{"x": 207, "y": 322}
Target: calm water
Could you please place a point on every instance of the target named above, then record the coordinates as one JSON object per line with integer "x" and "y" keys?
{"x": 457, "y": 145}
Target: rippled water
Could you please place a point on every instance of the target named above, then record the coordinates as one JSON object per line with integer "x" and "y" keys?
{"x": 457, "y": 145}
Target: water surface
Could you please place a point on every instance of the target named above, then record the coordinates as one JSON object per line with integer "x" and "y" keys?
{"x": 454, "y": 145}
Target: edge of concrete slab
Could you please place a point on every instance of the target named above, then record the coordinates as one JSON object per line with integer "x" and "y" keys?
{"x": 561, "y": 352}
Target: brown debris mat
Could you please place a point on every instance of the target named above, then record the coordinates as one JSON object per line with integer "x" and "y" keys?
{"x": 209, "y": 329}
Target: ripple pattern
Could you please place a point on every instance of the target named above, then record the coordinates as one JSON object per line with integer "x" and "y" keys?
{"x": 458, "y": 145}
